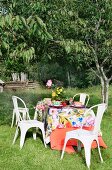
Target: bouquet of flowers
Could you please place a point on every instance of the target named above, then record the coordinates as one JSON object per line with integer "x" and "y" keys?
{"x": 58, "y": 93}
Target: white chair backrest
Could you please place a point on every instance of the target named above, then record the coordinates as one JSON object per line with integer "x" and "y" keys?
{"x": 99, "y": 114}
{"x": 16, "y": 107}
{"x": 82, "y": 98}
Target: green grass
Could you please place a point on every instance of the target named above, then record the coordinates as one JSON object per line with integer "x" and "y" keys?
{"x": 34, "y": 155}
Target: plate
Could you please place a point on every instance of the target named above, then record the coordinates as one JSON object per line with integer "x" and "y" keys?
{"x": 56, "y": 105}
{"x": 76, "y": 106}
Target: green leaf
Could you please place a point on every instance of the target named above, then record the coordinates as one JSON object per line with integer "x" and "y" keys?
{"x": 49, "y": 36}
{"x": 5, "y": 45}
{"x": 24, "y": 21}
{"x": 39, "y": 21}
{"x": 68, "y": 49}
{"x": 2, "y": 21}
{"x": 29, "y": 19}
{"x": 17, "y": 18}
{"x": 0, "y": 53}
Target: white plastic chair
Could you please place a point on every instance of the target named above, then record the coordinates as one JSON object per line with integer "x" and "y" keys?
{"x": 23, "y": 110}
{"x": 24, "y": 124}
{"x": 87, "y": 137}
{"x": 83, "y": 98}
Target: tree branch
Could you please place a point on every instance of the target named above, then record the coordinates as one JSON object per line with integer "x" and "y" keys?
{"x": 95, "y": 72}
{"x": 110, "y": 78}
{"x": 104, "y": 61}
{"x": 107, "y": 70}
{"x": 98, "y": 24}
{"x": 103, "y": 74}
{"x": 95, "y": 56}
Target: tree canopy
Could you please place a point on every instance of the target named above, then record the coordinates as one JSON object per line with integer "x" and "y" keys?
{"x": 74, "y": 34}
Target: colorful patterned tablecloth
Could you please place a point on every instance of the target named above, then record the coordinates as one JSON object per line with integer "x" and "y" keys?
{"x": 64, "y": 117}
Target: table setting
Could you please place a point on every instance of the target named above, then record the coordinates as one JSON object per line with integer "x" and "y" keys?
{"x": 60, "y": 118}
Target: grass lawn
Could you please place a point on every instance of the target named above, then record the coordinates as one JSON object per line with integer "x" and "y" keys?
{"x": 34, "y": 156}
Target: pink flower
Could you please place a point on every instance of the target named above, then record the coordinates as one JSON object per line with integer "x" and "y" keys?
{"x": 40, "y": 107}
{"x": 49, "y": 83}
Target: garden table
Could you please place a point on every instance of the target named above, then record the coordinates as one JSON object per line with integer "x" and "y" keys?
{"x": 59, "y": 120}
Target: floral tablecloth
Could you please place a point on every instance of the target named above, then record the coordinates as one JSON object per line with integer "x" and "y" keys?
{"x": 64, "y": 117}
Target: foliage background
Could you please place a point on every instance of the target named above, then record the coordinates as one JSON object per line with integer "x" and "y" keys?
{"x": 50, "y": 36}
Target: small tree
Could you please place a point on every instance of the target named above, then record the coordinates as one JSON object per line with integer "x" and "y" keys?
{"x": 97, "y": 38}
{"x": 92, "y": 43}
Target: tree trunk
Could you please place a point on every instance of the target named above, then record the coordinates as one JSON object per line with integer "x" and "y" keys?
{"x": 104, "y": 90}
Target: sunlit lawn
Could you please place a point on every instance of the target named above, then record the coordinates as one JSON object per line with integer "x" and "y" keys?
{"x": 34, "y": 156}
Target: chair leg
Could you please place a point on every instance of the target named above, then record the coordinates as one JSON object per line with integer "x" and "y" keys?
{"x": 35, "y": 115}
{"x": 79, "y": 146}
{"x": 12, "y": 119}
{"x": 34, "y": 133}
{"x": 87, "y": 147}
{"x": 22, "y": 137}
{"x": 99, "y": 151}
{"x": 43, "y": 134}
{"x": 16, "y": 134}
{"x": 65, "y": 142}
